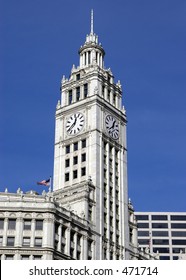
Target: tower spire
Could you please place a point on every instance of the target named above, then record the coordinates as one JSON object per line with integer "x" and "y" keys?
{"x": 92, "y": 22}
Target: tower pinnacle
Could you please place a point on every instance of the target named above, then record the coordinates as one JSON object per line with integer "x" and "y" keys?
{"x": 92, "y": 22}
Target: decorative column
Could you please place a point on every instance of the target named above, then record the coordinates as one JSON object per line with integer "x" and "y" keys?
{"x": 19, "y": 232}
{"x": 5, "y": 231}
{"x": 67, "y": 247}
{"x": 60, "y": 237}
{"x": 33, "y": 223}
{"x": 85, "y": 248}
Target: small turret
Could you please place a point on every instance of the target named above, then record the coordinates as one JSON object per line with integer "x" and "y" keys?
{"x": 91, "y": 52}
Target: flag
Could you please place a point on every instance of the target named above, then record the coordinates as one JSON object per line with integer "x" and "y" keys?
{"x": 44, "y": 182}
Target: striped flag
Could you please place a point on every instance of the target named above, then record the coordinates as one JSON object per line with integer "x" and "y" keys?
{"x": 44, "y": 182}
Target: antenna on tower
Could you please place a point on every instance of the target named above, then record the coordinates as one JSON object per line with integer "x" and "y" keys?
{"x": 92, "y": 22}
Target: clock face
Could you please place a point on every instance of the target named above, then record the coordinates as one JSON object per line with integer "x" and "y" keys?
{"x": 75, "y": 124}
{"x": 112, "y": 127}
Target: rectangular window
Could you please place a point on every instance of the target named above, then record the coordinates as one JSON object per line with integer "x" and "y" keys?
{"x": 159, "y": 217}
{"x": 38, "y": 242}
{"x": 37, "y": 257}
{"x": 75, "y": 174}
{"x": 75, "y": 146}
{"x": 179, "y": 233}
{"x": 1, "y": 241}
{"x": 25, "y": 257}
{"x": 67, "y": 176}
{"x": 114, "y": 99}
{"x": 1, "y": 223}
{"x": 178, "y": 225}
{"x": 160, "y": 233}
{"x": 160, "y": 242}
{"x": 117, "y": 210}
{"x": 9, "y": 257}
{"x": 117, "y": 224}
{"x": 70, "y": 97}
{"x": 67, "y": 162}
{"x": 159, "y": 225}
{"x": 143, "y": 241}
{"x": 75, "y": 160}
{"x": 83, "y": 143}
{"x": 79, "y": 240}
{"x": 143, "y": 233}
{"x": 178, "y": 250}
{"x": 83, "y": 171}
{"x": 26, "y": 241}
{"x": 10, "y": 241}
{"x": 143, "y": 225}
{"x": 142, "y": 217}
{"x": 178, "y": 242}
{"x": 39, "y": 224}
{"x": 27, "y": 225}
{"x": 83, "y": 157}
{"x": 63, "y": 232}
{"x": 11, "y": 224}
{"x": 85, "y": 90}
{"x": 103, "y": 91}
{"x": 178, "y": 217}
{"x": 161, "y": 250}
{"x": 77, "y": 93}
{"x": 108, "y": 96}
{"x": 77, "y": 77}
{"x": 67, "y": 149}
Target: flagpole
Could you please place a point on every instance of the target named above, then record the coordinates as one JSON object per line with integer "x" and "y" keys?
{"x": 50, "y": 188}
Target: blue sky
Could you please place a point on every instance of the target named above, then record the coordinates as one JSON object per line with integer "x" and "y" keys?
{"x": 145, "y": 48}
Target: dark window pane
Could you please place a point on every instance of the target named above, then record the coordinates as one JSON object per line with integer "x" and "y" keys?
{"x": 77, "y": 93}
{"x": 76, "y": 146}
{"x": 178, "y": 217}
{"x": 75, "y": 174}
{"x": 176, "y": 225}
{"x": 142, "y": 217}
{"x": 67, "y": 149}
{"x": 143, "y": 241}
{"x": 159, "y": 225}
{"x": 143, "y": 225}
{"x": 67, "y": 162}
{"x": 78, "y": 77}
{"x": 160, "y": 233}
{"x": 178, "y": 242}
{"x": 161, "y": 250}
{"x": 160, "y": 241}
{"x": 143, "y": 233}
{"x": 164, "y": 258}
{"x": 83, "y": 171}
{"x": 159, "y": 217}
{"x": 83, "y": 143}
{"x": 27, "y": 225}
{"x": 178, "y": 250}
{"x": 1, "y": 223}
{"x": 75, "y": 161}
{"x": 179, "y": 233}
{"x": 83, "y": 157}
{"x": 39, "y": 225}
{"x": 11, "y": 223}
{"x": 70, "y": 97}
{"x": 10, "y": 241}
{"x": 66, "y": 177}
{"x": 85, "y": 90}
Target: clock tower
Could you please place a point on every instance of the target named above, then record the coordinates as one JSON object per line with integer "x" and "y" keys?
{"x": 90, "y": 158}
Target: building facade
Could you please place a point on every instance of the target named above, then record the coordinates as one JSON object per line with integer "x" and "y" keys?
{"x": 163, "y": 232}
{"x": 87, "y": 215}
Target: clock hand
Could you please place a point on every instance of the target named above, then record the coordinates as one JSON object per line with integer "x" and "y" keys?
{"x": 74, "y": 123}
{"x": 112, "y": 125}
